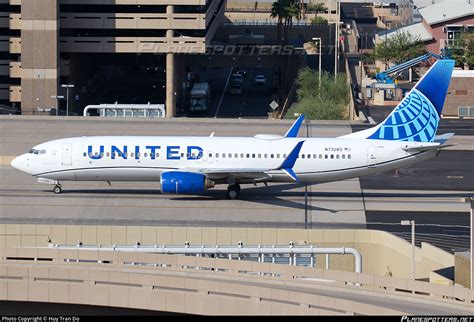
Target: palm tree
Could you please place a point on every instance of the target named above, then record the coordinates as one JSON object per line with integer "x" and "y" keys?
{"x": 292, "y": 11}
{"x": 278, "y": 11}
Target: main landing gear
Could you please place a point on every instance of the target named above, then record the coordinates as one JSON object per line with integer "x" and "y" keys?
{"x": 233, "y": 191}
{"x": 57, "y": 189}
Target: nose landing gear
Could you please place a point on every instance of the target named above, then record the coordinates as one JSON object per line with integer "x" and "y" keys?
{"x": 57, "y": 189}
{"x": 233, "y": 191}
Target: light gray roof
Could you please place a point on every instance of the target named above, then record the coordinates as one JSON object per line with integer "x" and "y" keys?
{"x": 416, "y": 30}
{"x": 425, "y": 3}
{"x": 447, "y": 10}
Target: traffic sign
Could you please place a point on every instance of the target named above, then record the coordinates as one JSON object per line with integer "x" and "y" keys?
{"x": 274, "y": 105}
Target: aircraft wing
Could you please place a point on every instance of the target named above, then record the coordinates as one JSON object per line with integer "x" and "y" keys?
{"x": 252, "y": 173}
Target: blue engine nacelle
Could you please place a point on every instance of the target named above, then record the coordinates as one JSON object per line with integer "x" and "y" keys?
{"x": 184, "y": 182}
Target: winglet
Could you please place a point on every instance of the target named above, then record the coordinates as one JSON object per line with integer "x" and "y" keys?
{"x": 290, "y": 160}
{"x": 293, "y": 131}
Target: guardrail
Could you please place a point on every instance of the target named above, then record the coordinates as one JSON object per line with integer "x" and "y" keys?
{"x": 226, "y": 269}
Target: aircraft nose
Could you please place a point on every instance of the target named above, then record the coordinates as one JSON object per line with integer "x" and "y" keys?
{"x": 19, "y": 163}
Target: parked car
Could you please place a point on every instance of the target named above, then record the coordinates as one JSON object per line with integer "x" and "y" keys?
{"x": 236, "y": 89}
{"x": 237, "y": 79}
{"x": 260, "y": 80}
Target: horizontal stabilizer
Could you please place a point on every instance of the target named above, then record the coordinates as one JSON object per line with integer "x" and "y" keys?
{"x": 443, "y": 137}
{"x": 427, "y": 147}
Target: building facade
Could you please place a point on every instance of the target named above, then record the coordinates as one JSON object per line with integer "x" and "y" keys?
{"x": 40, "y": 36}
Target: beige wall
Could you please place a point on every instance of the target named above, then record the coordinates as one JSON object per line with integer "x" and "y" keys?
{"x": 382, "y": 253}
{"x": 460, "y": 93}
{"x": 39, "y": 59}
{"x": 462, "y": 270}
{"x": 209, "y": 286}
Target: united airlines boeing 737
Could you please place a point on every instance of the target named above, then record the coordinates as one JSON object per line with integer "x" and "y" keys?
{"x": 190, "y": 165}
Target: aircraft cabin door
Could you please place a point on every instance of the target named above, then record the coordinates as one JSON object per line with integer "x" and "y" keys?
{"x": 67, "y": 154}
{"x": 372, "y": 156}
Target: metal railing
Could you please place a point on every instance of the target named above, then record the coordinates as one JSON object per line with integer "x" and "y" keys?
{"x": 274, "y": 254}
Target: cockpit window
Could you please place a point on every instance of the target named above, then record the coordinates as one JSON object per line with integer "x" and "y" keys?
{"x": 34, "y": 151}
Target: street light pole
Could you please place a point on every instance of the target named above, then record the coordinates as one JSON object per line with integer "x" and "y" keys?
{"x": 412, "y": 223}
{"x": 67, "y": 86}
{"x": 319, "y": 45}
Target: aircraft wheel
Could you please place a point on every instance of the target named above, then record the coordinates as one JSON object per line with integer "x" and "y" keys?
{"x": 57, "y": 189}
{"x": 233, "y": 191}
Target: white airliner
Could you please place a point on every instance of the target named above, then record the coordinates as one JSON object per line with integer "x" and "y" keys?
{"x": 190, "y": 165}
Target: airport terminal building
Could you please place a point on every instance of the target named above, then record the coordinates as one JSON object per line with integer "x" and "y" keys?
{"x": 46, "y": 44}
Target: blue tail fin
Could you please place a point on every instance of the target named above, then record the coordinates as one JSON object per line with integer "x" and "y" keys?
{"x": 417, "y": 116}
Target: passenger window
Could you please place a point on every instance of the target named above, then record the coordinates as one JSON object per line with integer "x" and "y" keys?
{"x": 343, "y": 156}
{"x": 182, "y": 155}
{"x": 314, "y": 156}
{"x": 236, "y": 155}
{"x": 230, "y": 155}
{"x": 348, "y": 156}
{"x": 193, "y": 155}
{"x": 42, "y": 151}
{"x": 36, "y": 152}
{"x": 337, "y": 156}
{"x": 302, "y": 156}
{"x": 101, "y": 154}
{"x": 248, "y": 155}
{"x": 325, "y": 156}
{"x": 132, "y": 154}
{"x": 332, "y": 156}
{"x": 271, "y": 156}
{"x": 96, "y": 154}
{"x": 210, "y": 155}
{"x": 138, "y": 154}
{"x": 242, "y": 155}
{"x": 84, "y": 154}
{"x": 309, "y": 156}
{"x": 278, "y": 156}
{"x": 253, "y": 155}
{"x": 113, "y": 155}
{"x": 145, "y": 154}
{"x": 320, "y": 156}
{"x": 265, "y": 155}
{"x": 217, "y": 155}
{"x": 223, "y": 155}
{"x": 259, "y": 155}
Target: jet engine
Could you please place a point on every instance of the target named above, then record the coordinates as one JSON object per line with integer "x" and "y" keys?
{"x": 184, "y": 182}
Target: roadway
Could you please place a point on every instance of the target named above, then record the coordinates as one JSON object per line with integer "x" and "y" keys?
{"x": 435, "y": 186}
